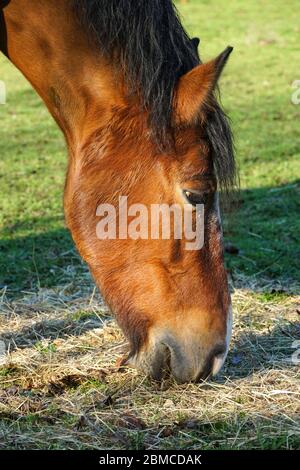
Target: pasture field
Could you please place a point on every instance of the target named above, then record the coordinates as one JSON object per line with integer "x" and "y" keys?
{"x": 59, "y": 387}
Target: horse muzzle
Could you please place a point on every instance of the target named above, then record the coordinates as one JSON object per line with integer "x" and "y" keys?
{"x": 185, "y": 363}
{"x": 187, "y": 357}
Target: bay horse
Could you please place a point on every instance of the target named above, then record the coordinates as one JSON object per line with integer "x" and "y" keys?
{"x": 140, "y": 115}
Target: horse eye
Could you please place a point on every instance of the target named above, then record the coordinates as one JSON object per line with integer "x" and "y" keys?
{"x": 195, "y": 197}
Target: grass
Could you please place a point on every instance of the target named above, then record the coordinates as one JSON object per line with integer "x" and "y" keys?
{"x": 60, "y": 388}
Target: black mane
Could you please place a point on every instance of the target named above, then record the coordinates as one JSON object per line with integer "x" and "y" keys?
{"x": 149, "y": 43}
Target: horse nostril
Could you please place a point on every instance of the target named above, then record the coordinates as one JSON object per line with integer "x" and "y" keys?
{"x": 214, "y": 363}
{"x": 160, "y": 366}
{"x": 204, "y": 373}
{"x": 168, "y": 360}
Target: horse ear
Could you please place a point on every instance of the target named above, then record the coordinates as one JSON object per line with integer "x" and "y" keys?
{"x": 196, "y": 87}
{"x": 196, "y": 42}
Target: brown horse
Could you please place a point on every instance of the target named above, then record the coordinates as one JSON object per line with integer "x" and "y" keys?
{"x": 138, "y": 110}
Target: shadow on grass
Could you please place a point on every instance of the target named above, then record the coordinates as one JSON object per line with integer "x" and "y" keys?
{"x": 265, "y": 228}
{"x": 45, "y": 260}
{"x": 49, "y": 329}
{"x": 252, "y": 352}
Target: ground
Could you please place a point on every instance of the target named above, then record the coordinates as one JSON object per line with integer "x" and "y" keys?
{"x": 59, "y": 387}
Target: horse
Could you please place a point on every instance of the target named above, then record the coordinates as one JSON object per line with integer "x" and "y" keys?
{"x": 141, "y": 117}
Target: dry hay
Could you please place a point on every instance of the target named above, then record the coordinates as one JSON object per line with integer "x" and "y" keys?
{"x": 60, "y": 386}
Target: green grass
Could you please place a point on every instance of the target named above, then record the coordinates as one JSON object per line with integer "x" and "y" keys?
{"x": 35, "y": 248}
{"x": 37, "y": 254}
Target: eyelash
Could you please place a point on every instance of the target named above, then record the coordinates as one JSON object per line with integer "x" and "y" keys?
{"x": 194, "y": 197}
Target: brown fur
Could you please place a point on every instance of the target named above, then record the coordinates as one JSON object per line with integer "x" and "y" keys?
{"x": 152, "y": 285}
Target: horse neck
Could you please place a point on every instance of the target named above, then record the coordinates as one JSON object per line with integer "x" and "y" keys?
{"x": 46, "y": 43}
